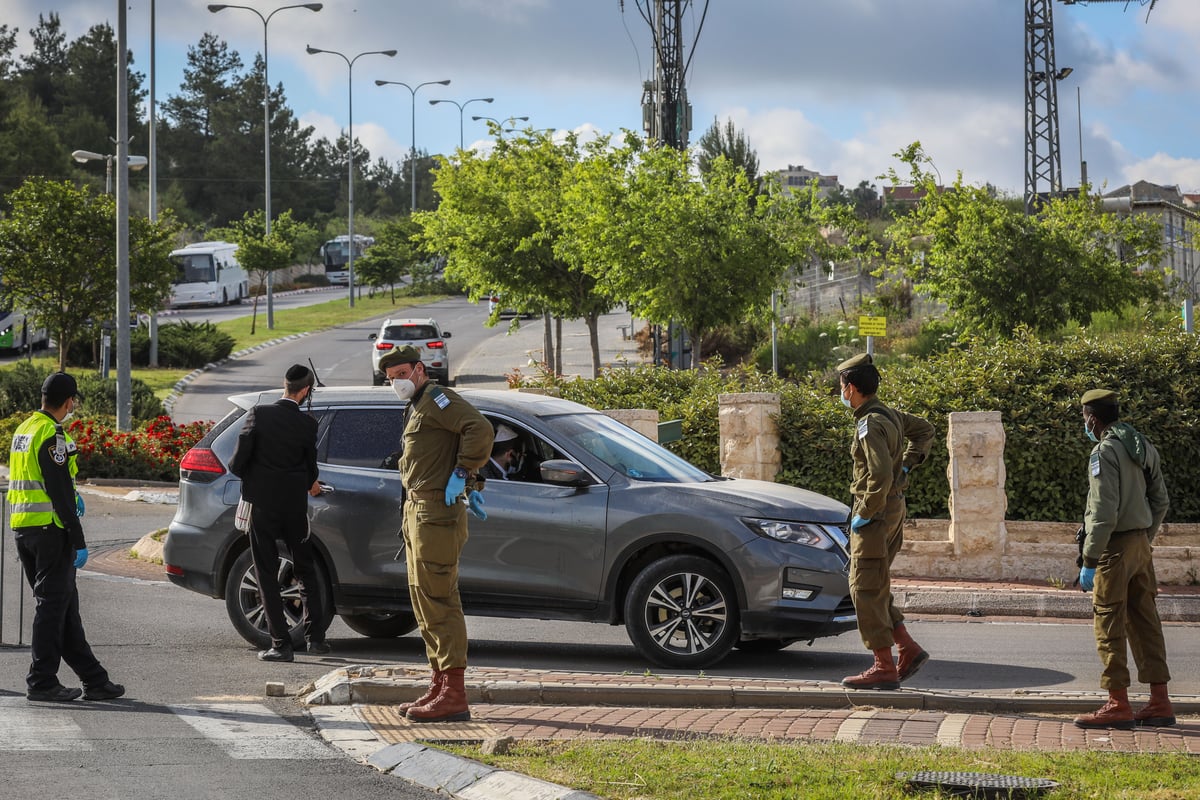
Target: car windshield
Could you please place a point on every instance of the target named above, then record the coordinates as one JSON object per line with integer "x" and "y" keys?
{"x": 625, "y": 450}
{"x": 194, "y": 269}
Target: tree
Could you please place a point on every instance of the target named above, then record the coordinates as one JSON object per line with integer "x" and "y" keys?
{"x": 393, "y": 255}
{"x": 728, "y": 142}
{"x": 998, "y": 269}
{"x": 58, "y": 247}
{"x": 260, "y": 254}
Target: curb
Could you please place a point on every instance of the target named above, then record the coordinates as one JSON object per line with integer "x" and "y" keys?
{"x": 1018, "y": 603}
{"x": 182, "y": 384}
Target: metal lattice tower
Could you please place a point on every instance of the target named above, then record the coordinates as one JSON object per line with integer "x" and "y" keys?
{"x": 666, "y": 114}
{"x": 1043, "y": 162}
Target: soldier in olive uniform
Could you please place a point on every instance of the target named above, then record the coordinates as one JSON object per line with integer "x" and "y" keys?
{"x": 1127, "y": 501}
{"x": 445, "y": 440}
{"x": 887, "y": 444}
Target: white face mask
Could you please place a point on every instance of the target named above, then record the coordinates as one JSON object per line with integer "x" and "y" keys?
{"x": 404, "y": 388}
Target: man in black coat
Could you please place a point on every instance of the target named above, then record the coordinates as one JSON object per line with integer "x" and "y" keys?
{"x": 276, "y": 458}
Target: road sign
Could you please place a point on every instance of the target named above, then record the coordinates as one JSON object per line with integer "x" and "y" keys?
{"x": 872, "y": 326}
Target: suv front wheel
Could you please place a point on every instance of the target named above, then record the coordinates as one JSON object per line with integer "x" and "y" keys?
{"x": 243, "y": 601}
{"x": 681, "y": 612}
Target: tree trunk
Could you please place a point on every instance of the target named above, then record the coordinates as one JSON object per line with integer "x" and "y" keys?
{"x": 558, "y": 368}
{"x": 593, "y": 325}
{"x": 547, "y": 343}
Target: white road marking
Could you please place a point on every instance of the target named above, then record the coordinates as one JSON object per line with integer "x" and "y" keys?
{"x": 251, "y": 730}
{"x": 26, "y": 726}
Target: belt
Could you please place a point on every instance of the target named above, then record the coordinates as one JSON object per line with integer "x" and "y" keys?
{"x": 1130, "y": 532}
{"x": 426, "y": 494}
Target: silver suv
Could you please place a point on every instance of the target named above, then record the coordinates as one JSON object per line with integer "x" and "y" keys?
{"x": 424, "y": 334}
{"x": 598, "y": 523}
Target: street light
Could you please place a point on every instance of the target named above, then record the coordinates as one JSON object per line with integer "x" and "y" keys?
{"x": 501, "y": 125}
{"x": 135, "y": 163}
{"x": 461, "y": 106}
{"x": 215, "y": 8}
{"x": 350, "y": 147}
{"x": 413, "y": 156}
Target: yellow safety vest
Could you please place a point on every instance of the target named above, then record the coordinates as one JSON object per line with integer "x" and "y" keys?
{"x": 29, "y": 503}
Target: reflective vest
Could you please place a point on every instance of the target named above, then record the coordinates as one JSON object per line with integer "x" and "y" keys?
{"x": 29, "y": 503}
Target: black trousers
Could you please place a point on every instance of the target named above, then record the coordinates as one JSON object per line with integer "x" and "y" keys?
{"x": 268, "y": 529}
{"x": 49, "y": 564}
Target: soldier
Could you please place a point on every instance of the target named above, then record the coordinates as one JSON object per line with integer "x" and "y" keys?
{"x": 887, "y": 444}
{"x": 445, "y": 440}
{"x": 1127, "y": 501}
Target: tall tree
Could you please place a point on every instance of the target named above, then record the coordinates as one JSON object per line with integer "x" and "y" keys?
{"x": 731, "y": 143}
{"x": 260, "y": 254}
{"x": 43, "y": 70}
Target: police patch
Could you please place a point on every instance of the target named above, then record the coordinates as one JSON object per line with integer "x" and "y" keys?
{"x": 59, "y": 456}
{"x": 21, "y": 441}
{"x": 862, "y": 428}
{"x": 1094, "y": 465}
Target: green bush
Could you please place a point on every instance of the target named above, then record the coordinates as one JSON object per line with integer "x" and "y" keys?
{"x": 310, "y": 279}
{"x": 189, "y": 345}
{"x": 21, "y": 394}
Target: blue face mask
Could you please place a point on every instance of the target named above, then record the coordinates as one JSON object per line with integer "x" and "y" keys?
{"x": 1091, "y": 436}
{"x": 845, "y": 400}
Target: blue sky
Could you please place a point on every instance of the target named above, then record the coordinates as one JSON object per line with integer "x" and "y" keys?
{"x": 833, "y": 85}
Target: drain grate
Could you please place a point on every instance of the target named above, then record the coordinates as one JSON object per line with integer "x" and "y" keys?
{"x": 978, "y": 784}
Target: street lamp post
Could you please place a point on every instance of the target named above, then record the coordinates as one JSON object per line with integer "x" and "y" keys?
{"x": 461, "y": 106}
{"x": 135, "y": 163}
{"x": 500, "y": 124}
{"x": 215, "y": 8}
{"x": 350, "y": 146}
{"x": 413, "y": 156}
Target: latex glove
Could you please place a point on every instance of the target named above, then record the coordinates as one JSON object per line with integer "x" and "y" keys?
{"x": 79, "y": 509}
{"x": 455, "y": 485}
{"x": 81, "y": 558}
{"x": 904, "y": 470}
{"x": 857, "y": 522}
{"x": 475, "y": 503}
{"x": 1087, "y": 578}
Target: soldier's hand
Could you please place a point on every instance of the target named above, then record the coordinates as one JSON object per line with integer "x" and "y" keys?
{"x": 475, "y": 503}
{"x": 1087, "y": 578}
{"x": 858, "y": 522}
{"x": 455, "y": 485}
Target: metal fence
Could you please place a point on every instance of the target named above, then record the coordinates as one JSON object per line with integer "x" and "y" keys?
{"x": 13, "y": 588}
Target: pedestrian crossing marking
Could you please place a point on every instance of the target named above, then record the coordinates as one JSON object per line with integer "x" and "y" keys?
{"x": 27, "y": 727}
{"x": 251, "y": 731}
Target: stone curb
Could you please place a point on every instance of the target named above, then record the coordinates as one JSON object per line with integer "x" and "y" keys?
{"x": 1026, "y": 603}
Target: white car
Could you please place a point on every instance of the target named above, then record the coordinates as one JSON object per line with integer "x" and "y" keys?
{"x": 424, "y": 334}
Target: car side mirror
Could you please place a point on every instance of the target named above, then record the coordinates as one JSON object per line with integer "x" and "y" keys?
{"x": 373, "y": 336}
{"x": 560, "y": 472}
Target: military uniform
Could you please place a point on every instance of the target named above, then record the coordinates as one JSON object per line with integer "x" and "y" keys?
{"x": 442, "y": 432}
{"x": 886, "y": 444}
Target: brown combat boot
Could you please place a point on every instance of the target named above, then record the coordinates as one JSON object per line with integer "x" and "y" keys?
{"x": 1158, "y": 713}
{"x": 910, "y": 655}
{"x": 435, "y": 686}
{"x": 450, "y": 705}
{"x": 881, "y": 675}
{"x": 1116, "y": 713}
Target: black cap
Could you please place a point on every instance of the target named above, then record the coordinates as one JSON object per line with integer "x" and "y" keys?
{"x": 59, "y": 387}
{"x": 299, "y": 374}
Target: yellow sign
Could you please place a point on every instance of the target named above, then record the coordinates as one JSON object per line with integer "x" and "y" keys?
{"x": 872, "y": 326}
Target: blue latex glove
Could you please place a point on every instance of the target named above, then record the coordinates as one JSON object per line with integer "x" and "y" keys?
{"x": 1087, "y": 578}
{"x": 904, "y": 470}
{"x": 79, "y": 509}
{"x": 475, "y": 504}
{"x": 857, "y": 522}
{"x": 80, "y": 558}
{"x": 455, "y": 486}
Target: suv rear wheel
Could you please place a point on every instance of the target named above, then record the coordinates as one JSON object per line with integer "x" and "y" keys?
{"x": 243, "y": 601}
{"x": 681, "y": 612}
{"x": 381, "y": 624}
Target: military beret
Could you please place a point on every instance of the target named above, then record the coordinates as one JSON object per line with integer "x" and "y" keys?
{"x": 1099, "y": 396}
{"x": 298, "y": 373}
{"x": 860, "y": 360}
{"x": 406, "y": 354}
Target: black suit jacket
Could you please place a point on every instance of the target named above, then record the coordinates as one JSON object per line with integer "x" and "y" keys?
{"x": 276, "y": 456}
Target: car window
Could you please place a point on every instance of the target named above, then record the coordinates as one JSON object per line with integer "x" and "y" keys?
{"x": 535, "y": 450}
{"x": 410, "y": 333}
{"x": 362, "y": 437}
{"x": 625, "y": 450}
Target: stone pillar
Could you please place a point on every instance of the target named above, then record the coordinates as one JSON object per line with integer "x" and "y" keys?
{"x": 749, "y": 435}
{"x": 642, "y": 420}
{"x": 977, "y": 500}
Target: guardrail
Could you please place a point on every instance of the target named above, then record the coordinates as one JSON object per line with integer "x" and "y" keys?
{"x": 10, "y": 575}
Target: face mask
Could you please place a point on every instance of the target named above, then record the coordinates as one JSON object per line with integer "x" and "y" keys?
{"x": 517, "y": 464}
{"x": 845, "y": 400}
{"x": 404, "y": 388}
{"x": 1091, "y": 436}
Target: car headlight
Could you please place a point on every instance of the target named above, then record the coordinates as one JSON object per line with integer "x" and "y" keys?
{"x": 808, "y": 534}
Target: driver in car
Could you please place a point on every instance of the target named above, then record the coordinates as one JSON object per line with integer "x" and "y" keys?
{"x": 507, "y": 458}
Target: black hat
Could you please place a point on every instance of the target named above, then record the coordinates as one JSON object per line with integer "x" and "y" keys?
{"x": 299, "y": 374}
{"x": 59, "y": 387}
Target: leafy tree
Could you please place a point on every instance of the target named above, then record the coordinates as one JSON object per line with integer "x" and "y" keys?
{"x": 393, "y": 255}
{"x": 998, "y": 269}
{"x": 58, "y": 248}
{"x": 43, "y": 70}
{"x": 260, "y": 254}
{"x": 728, "y": 142}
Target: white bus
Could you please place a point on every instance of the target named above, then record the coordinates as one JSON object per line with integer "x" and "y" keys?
{"x": 336, "y": 253}
{"x": 208, "y": 274}
{"x": 16, "y": 332}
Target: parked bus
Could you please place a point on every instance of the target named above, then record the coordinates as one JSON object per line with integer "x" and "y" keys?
{"x": 16, "y": 332}
{"x": 208, "y": 274}
{"x": 336, "y": 254}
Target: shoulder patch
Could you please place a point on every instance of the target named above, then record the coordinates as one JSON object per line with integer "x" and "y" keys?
{"x": 439, "y": 397}
{"x": 21, "y": 442}
{"x": 1094, "y": 464}
{"x": 862, "y": 428}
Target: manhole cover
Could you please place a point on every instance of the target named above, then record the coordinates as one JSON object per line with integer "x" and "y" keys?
{"x": 978, "y": 784}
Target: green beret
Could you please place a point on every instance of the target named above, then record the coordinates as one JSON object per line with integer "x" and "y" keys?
{"x": 860, "y": 360}
{"x": 401, "y": 355}
{"x": 1099, "y": 396}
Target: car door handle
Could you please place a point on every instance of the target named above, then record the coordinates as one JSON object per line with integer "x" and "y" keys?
{"x": 326, "y": 488}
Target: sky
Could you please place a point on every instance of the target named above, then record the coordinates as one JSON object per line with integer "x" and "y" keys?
{"x": 838, "y": 86}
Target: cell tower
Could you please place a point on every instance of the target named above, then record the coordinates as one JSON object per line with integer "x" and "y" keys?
{"x": 1043, "y": 162}
{"x": 666, "y": 113}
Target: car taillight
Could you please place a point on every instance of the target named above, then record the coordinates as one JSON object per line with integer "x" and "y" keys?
{"x": 200, "y": 464}
{"x": 174, "y": 570}
{"x": 438, "y": 345}
{"x": 384, "y": 345}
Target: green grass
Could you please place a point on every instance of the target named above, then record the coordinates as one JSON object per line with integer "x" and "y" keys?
{"x": 729, "y": 769}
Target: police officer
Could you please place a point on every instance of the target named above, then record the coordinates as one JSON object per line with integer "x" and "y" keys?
{"x": 1127, "y": 501}
{"x": 44, "y": 511}
{"x": 445, "y": 440}
{"x": 887, "y": 444}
